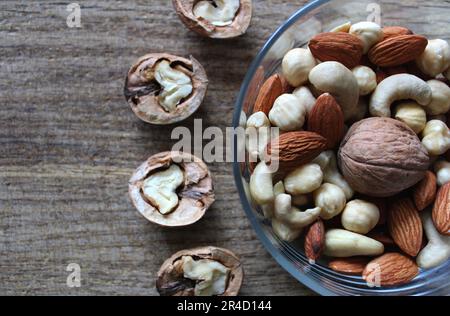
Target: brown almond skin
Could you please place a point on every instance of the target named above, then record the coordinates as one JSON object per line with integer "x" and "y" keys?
{"x": 269, "y": 92}
{"x": 327, "y": 119}
{"x": 294, "y": 149}
{"x": 351, "y": 266}
{"x": 315, "y": 240}
{"x": 392, "y": 31}
{"x": 341, "y": 47}
{"x": 390, "y": 269}
{"x": 441, "y": 210}
{"x": 397, "y": 50}
{"x": 424, "y": 192}
{"x": 405, "y": 226}
{"x": 253, "y": 89}
{"x": 238, "y": 27}
{"x": 170, "y": 280}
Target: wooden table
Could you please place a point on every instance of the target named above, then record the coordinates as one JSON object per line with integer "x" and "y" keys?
{"x": 69, "y": 143}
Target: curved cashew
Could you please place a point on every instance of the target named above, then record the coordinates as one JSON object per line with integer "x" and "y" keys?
{"x": 288, "y": 113}
{"x": 268, "y": 209}
{"x": 331, "y": 199}
{"x": 437, "y": 251}
{"x": 435, "y": 59}
{"x": 304, "y": 179}
{"x": 398, "y": 87}
{"x": 306, "y": 97}
{"x": 339, "y": 81}
{"x": 440, "y": 98}
{"x": 369, "y": 33}
{"x": 296, "y": 65}
{"x": 261, "y": 187}
{"x": 436, "y": 137}
{"x": 257, "y": 133}
{"x": 442, "y": 170}
{"x": 285, "y": 232}
{"x": 292, "y": 216}
{"x": 327, "y": 162}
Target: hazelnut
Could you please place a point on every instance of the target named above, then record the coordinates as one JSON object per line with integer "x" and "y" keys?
{"x": 172, "y": 189}
{"x": 215, "y": 19}
{"x": 203, "y": 271}
{"x": 412, "y": 114}
{"x": 381, "y": 157}
{"x": 164, "y": 89}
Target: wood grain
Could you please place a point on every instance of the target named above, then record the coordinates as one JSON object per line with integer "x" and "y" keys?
{"x": 69, "y": 142}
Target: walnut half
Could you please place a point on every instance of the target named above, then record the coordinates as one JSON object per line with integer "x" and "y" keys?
{"x": 215, "y": 18}
{"x": 172, "y": 189}
{"x": 164, "y": 89}
{"x": 203, "y": 271}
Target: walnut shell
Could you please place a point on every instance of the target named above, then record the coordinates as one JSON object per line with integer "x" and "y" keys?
{"x": 239, "y": 26}
{"x": 141, "y": 92}
{"x": 195, "y": 195}
{"x": 170, "y": 280}
{"x": 381, "y": 157}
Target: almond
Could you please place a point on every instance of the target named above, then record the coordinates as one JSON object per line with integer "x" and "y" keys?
{"x": 390, "y": 269}
{"x": 441, "y": 210}
{"x": 293, "y": 149}
{"x": 405, "y": 226}
{"x": 253, "y": 88}
{"x": 425, "y": 191}
{"x": 397, "y": 50}
{"x": 391, "y": 31}
{"x": 352, "y": 266}
{"x": 315, "y": 240}
{"x": 270, "y": 90}
{"x": 341, "y": 47}
{"x": 327, "y": 119}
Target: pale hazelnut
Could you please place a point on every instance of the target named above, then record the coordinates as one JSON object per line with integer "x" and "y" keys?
{"x": 360, "y": 216}
{"x": 288, "y": 113}
{"x": 442, "y": 170}
{"x": 296, "y": 65}
{"x": 412, "y": 114}
{"x": 306, "y": 97}
{"x": 367, "y": 79}
{"x": 440, "y": 98}
{"x": 436, "y": 137}
{"x": 435, "y": 59}
{"x": 331, "y": 199}
{"x": 369, "y": 33}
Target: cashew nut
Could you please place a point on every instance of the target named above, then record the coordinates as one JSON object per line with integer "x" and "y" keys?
{"x": 442, "y": 170}
{"x": 369, "y": 33}
{"x": 292, "y": 216}
{"x": 288, "y": 113}
{"x": 296, "y": 65}
{"x": 331, "y": 199}
{"x": 360, "y": 216}
{"x": 436, "y": 137}
{"x": 221, "y": 13}
{"x": 268, "y": 209}
{"x": 437, "y": 251}
{"x": 261, "y": 187}
{"x": 412, "y": 114}
{"x": 440, "y": 98}
{"x": 159, "y": 188}
{"x": 435, "y": 59}
{"x": 327, "y": 162}
{"x": 304, "y": 179}
{"x": 398, "y": 87}
{"x": 285, "y": 232}
{"x": 339, "y": 81}
{"x": 342, "y": 243}
{"x": 306, "y": 97}
{"x": 175, "y": 84}
{"x": 367, "y": 79}
{"x": 345, "y": 27}
{"x": 257, "y": 134}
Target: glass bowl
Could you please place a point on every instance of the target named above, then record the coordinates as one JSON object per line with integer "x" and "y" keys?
{"x": 316, "y": 17}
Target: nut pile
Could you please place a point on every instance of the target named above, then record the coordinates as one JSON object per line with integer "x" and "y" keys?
{"x": 363, "y": 151}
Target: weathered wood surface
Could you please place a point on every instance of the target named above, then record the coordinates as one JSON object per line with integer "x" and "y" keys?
{"x": 69, "y": 142}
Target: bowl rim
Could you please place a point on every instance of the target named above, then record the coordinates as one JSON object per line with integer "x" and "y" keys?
{"x": 282, "y": 261}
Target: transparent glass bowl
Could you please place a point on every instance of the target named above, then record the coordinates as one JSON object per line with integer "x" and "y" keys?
{"x": 314, "y": 18}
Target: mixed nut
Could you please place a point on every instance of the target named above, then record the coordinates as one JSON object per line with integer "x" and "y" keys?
{"x": 362, "y": 113}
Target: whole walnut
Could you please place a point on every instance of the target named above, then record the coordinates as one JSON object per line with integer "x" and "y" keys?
{"x": 381, "y": 157}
